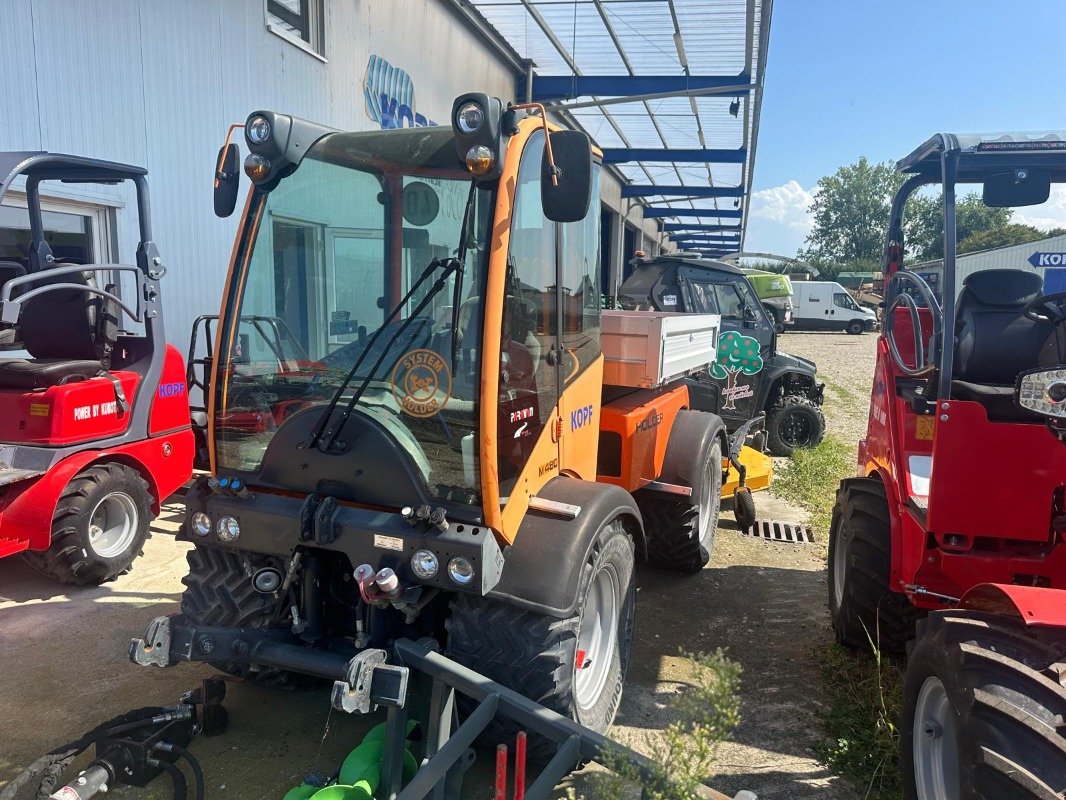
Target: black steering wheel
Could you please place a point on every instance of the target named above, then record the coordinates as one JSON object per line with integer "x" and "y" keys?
{"x": 923, "y": 352}
{"x": 1046, "y": 308}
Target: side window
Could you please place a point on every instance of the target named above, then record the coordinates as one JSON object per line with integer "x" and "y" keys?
{"x": 581, "y": 286}
{"x": 703, "y": 298}
{"x": 842, "y": 300}
{"x": 729, "y": 301}
{"x": 528, "y": 390}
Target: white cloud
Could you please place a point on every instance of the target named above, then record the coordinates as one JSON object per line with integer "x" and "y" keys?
{"x": 1045, "y": 216}
{"x": 778, "y": 221}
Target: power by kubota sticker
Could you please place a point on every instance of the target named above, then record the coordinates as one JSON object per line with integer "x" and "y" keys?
{"x": 421, "y": 383}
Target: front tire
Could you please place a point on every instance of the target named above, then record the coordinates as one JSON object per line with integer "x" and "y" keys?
{"x": 744, "y": 508}
{"x": 793, "y": 421}
{"x": 863, "y": 607}
{"x": 537, "y": 654}
{"x": 983, "y": 710}
{"x": 681, "y": 530}
{"x": 100, "y": 525}
{"x": 219, "y": 592}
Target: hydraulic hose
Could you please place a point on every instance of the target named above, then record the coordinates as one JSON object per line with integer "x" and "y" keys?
{"x": 177, "y": 780}
{"x": 191, "y": 760}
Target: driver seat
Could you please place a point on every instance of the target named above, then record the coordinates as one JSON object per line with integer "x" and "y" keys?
{"x": 994, "y": 342}
{"x": 69, "y": 334}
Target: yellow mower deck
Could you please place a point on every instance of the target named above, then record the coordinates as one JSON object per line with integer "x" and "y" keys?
{"x": 760, "y": 472}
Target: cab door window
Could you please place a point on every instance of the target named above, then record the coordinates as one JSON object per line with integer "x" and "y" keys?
{"x": 842, "y": 300}
{"x": 581, "y": 292}
{"x": 528, "y": 387}
{"x": 730, "y": 303}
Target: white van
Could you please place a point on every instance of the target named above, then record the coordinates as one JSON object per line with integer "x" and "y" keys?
{"x": 827, "y": 306}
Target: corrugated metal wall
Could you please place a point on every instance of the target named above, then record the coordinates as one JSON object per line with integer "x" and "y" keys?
{"x": 1014, "y": 257}
{"x": 156, "y": 83}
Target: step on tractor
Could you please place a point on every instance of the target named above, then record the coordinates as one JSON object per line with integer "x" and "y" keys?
{"x": 951, "y": 541}
{"x": 94, "y": 419}
{"x": 780, "y": 386}
{"x": 441, "y": 455}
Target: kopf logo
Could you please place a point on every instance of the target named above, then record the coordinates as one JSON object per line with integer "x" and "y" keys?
{"x": 176, "y": 389}
{"x": 580, "y": 418}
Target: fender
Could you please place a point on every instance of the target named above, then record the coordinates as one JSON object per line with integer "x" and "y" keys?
{"x": 1033, "y": 605}
{"x": 782, "y": 364}
{"x": 165, "y": 462}
{"x": 543, "y": 567}
{"x": 895, "y": 528}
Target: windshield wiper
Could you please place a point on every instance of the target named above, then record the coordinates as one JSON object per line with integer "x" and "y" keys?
{"x": 448, "y": 267}
{"x": 426, "y": 273}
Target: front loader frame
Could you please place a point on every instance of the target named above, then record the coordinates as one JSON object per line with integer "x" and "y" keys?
{"x": 366, "y": 680}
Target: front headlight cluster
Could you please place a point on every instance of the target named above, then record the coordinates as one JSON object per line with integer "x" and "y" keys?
{"x": 227, "y": 528}
{"x": 1044, "y": 392}
{"x": 425, "y": 565}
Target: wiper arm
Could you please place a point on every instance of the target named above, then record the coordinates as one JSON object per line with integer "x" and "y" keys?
{"x": 449, "y": 266}
{"x": 426, "y": 273}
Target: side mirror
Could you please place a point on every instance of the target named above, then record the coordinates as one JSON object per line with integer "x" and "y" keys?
{"x": 227, "y": 179}
{"x": 1019, "y": 187}
{"x": 568, "y": 199}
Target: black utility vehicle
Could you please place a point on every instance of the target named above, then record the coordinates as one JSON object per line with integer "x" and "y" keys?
{"x": 781, "y": 385}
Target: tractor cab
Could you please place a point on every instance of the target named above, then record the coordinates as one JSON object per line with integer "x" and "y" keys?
{"x": 971, "y": 382}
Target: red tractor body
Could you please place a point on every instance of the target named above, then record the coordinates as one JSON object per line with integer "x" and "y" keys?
{"x": 94, "y": 420}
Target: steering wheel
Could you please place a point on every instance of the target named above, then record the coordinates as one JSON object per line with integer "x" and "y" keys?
{"x": 922, "y": 351}
{"x": 1046, "y": 308}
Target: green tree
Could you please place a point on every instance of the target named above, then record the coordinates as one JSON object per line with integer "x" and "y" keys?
{"x": 851, "y": 210}
{"x": 737, "y": 354}
{"x": 924, "y": 220}
{"x": 1004, "y": 236}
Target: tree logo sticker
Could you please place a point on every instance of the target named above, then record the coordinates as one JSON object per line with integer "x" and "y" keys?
{"x": 737, "y": 355}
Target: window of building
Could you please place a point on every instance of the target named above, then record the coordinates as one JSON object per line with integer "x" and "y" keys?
{"x": 300, "y": 21}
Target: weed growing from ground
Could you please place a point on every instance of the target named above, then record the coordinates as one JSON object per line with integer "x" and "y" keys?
{"x": 811, "y": 477}
{"x": 706, "y": 712}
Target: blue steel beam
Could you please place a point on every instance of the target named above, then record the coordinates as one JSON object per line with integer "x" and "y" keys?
{"x": 681, "y": 227}
{"x": 721, "y": 231}
{"x": 667, "y": 211}
{"x": 682, "y": 191}
{"x": 566, "y": 87}
{"x": 620, "y": 155}
{"x": 733, "y": 245}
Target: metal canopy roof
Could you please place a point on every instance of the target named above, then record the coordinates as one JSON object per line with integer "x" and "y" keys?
{"x": 669, "y": 89}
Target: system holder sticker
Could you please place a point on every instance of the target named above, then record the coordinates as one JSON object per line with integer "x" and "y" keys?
{"x": 422, "y": 383}
{"x": 388, "y": 542}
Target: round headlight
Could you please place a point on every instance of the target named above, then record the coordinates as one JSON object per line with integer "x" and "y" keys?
{"x": 201, "y": 524}
{"x": 228, "y": 529}
{"x": 256, "y": 167}
{"x": 470, "y": 117}
{"x": 424, "y": 564}
{"x": 460, "y": 570}
{"x": 1056, "y": 391}
{"x": 479, "y": 159}
{"x": 258, "y": 130}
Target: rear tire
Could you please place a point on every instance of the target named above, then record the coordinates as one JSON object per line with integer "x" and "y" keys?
{"x": 100, "y": 525}
{"x": 983, "y": 710}
{"x": 681, "y": 530}
{"x": 793, "y": 421}
{"x": 219, "y": 592}
{"x": 863, "y": 607}
{"x": 855, "y": 327}
{"x": 535, "y": 654}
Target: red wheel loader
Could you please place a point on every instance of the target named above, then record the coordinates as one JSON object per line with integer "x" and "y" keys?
{"x": 950, "y": 541}
{"x": 94, "y": 420}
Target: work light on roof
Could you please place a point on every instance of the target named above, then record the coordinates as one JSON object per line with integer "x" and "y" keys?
{"x": 258, "y": 130}
{"x": 470, "y": 117}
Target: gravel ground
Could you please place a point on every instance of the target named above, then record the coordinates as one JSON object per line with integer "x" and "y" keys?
{"x": 64, "y": 667}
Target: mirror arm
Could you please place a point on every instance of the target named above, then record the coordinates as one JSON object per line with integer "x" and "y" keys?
{"x": 554, "y": 170}
{"x": 219, "y": 174}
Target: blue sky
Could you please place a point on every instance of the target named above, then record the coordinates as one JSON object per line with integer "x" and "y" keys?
{"x": 847, "y": 79}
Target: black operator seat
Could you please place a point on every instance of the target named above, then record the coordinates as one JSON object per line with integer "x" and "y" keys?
{"x": 68, "y": 332}
{"x": 994, "y": 342}
{"x": 8, "y": 271}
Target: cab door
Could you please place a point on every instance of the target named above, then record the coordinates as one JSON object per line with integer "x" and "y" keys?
{"x": 530, "y": 354}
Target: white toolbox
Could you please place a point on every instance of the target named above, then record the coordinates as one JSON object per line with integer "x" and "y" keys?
{"x": 645, "y": 349}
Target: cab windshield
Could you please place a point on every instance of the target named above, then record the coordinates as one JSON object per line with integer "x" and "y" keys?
{"x": 337, "y": 246}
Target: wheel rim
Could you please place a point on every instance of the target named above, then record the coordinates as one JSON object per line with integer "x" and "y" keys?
{"x": 840, "y": 569}
{"x": 597, "y": 639}
{"x": 795, "y": 429}
{"x": 709, "y": 503}
{"x": 113, "y": 525}
{"x": 936, "y": 764}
